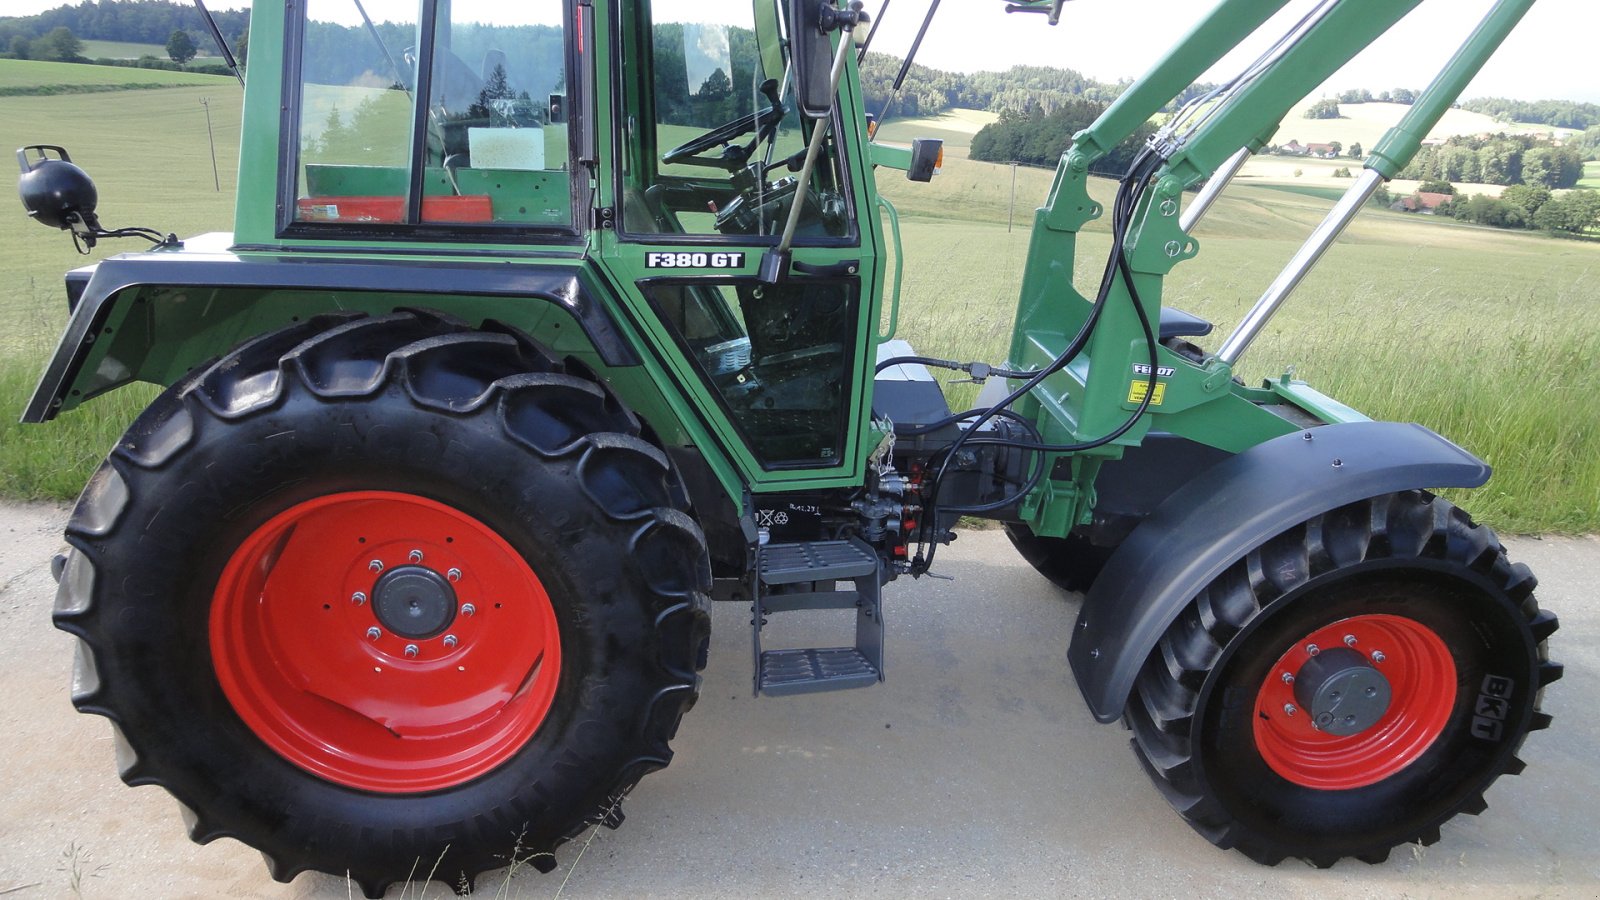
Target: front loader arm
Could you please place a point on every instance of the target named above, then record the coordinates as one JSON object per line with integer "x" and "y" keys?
{"x": 1198, "y": 400}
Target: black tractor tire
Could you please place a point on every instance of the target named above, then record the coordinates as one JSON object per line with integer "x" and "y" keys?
{"x": 546, "y": 469}
{"x": 1404, "y": 573}
{"x": 1071, "y": 563}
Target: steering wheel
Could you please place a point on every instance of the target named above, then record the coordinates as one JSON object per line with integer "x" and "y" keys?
{"x": 725, "y": 133}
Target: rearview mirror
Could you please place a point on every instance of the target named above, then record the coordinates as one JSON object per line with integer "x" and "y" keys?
{"x": 810, "y": 56}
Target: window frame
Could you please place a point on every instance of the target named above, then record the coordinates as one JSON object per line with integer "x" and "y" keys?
{"x": 580, "y": 125}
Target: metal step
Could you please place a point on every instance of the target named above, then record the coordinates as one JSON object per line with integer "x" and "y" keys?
{"x": 819, "y": 575}
{"x": 817, "y": 561}
{"x": 786, "y": 672}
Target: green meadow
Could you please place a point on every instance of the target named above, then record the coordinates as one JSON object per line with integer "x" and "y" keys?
{"x": 1490, "y": 337}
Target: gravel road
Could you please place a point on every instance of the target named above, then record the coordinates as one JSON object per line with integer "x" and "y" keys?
{"x": 974, "y": 771}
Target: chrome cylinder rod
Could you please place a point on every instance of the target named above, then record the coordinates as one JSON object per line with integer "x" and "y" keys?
{"x": 1319, "y": 242}
{"x": 1194, "y": 212}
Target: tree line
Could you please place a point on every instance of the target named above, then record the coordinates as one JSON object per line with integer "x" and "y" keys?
{"x": 1036, "y": 137}
{"x": 1518, "y": 206}
{"x": 1556, "y": 113}
{"x": 1500, "y": 159}
{"x": 134, "y": 21}
{"x": 930, "y": 92}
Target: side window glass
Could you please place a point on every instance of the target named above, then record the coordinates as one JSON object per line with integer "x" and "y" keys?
{"x": 778, "y": 358}
{"x": 494, "y": 153}
{"x": 355, "y": 113}
{"x": 494, "y": 146}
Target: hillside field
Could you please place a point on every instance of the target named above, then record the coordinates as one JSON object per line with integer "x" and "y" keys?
{"x": 1487, "y": 336}
{"x": 24, "y": 73}
{"x": 129, "y": 50}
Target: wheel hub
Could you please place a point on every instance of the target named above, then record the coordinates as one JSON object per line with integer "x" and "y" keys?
{"x": 414, "y": 602}
{"x": 1343, "y": 693}
{"x": 1354, "y": 701}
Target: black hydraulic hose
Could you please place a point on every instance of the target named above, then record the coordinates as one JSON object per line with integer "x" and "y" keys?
{"x": 949, "y": 364}
{"x": 1134, "y": 185}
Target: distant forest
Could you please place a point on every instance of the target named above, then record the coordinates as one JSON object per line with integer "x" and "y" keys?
{"x": 133, "y": 21}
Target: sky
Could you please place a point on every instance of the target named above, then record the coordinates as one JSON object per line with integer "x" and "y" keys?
{"x": 1551, "y": 56}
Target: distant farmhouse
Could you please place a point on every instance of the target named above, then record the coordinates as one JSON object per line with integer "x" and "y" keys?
{"x": 1422, "y": 201}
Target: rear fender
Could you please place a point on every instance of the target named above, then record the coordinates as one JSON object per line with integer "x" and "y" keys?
{"x": 144, "y": 316}
{"x": 1229, "y": 510}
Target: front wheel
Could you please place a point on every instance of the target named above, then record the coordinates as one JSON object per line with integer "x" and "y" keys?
{"x": 1347, "y": 687}
{"x": 388, "y": 596}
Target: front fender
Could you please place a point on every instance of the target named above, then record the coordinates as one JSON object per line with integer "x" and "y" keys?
{"x": 1229, "y": 510}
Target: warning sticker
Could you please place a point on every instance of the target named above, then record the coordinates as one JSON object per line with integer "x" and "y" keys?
{"x": 1137, "y": 389}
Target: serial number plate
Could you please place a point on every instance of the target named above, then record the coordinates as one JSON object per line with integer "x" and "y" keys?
{"x": 693, "y": 260}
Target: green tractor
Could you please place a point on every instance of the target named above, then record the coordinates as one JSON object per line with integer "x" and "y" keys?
{"x": 544, "y": 326}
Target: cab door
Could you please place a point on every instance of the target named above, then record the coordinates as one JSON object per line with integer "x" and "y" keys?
{"x": 706, "y": 147}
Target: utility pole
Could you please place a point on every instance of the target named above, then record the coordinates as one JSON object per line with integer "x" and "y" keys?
{"x": 215, "y": 178}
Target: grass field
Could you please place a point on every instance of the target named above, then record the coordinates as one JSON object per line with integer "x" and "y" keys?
{"x": 127, "y": 50}
{"x": 1365, "y": 123}
{"x": 17, "y": 73}
{"x": 147, "y": 151}
{"x": 1488, "y": 336}
{"x": 1591, "y": 176}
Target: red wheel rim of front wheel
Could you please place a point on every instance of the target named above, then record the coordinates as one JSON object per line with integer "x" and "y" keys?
{"x": 291, "y": 645}
{"x": 1422, "y": 683}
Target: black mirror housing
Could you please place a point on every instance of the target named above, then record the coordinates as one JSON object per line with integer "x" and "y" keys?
{"x": 811, "y": 55}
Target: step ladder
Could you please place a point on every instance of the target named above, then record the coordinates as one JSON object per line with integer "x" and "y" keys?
{"x": 804, "y": 576}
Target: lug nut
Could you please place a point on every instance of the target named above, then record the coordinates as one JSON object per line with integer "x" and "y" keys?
{"x": 453, "y": 574}
{"x": 450, "y": 640}
{"x": 373, "y": 633}
{"x": 416, "y": 556}
{"x": 468, "y": 609}
{"x": 1349, "y": 640}
{"x": 1377, "y": 656}
{"x": 1288, "y": 709}
{"x": 1313, "y": 649}
{"x": 1287, "y": 678}
{"x": 358, "y": 598}
{"x": 411, "y": 651}
{"x": 376, "y": 565}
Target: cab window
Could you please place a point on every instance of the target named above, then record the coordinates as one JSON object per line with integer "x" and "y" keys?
{"x": 711, "y": 141}
{"x": 459, "y": 120}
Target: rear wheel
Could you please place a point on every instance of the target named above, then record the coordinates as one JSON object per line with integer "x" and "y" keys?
{"x": 388, "y": 596}
{"x": 1347, "y": 687}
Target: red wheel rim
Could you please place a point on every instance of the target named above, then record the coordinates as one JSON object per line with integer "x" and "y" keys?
{"x": 305, "y": 656}
{"x": 1422, "y": 682}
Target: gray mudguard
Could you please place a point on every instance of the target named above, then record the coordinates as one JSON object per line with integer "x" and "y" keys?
{"x": 1229, "y": 510}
